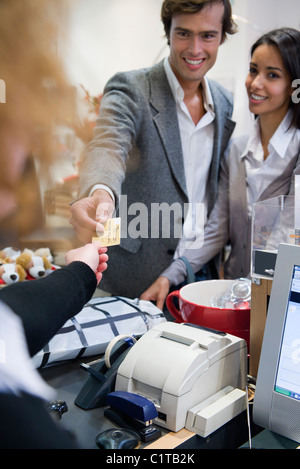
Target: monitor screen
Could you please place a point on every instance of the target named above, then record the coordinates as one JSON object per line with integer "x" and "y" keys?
{"x": 276, "y": 403}
{"x": 288, "y": 372}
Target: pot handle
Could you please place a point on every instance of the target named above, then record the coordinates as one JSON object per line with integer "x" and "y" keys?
{"x": 171, "y": 306}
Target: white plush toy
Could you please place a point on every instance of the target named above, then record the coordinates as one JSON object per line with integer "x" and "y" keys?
{"x": 11, "y": 273}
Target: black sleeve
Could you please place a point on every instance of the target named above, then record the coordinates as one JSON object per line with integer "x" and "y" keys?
{"x": 44, "y": 305}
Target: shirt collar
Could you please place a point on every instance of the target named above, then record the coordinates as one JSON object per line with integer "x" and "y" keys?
{"x": 178, "y": 92}
{"x": 254, "y": 145}
{"x": 282, "y": 137}
{"x": 279, "y": 141}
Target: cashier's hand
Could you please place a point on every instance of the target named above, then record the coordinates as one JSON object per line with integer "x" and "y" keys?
{"x": 157, "y": 292}
{"x": 88, "y": 215}
{"x": 91, "y": 254}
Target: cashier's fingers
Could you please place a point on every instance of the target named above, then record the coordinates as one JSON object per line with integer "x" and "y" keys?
{"x": 102, "y": 265}
{"x": 99, "y": 276}
{"x": 101, "y": 249}
{"x": 103, "y": 257}
{"x": 91, "y": 254}
{"x": 101, "y": 268}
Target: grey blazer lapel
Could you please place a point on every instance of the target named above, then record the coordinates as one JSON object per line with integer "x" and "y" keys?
{"x": 165, "y": 120}
{"x": 224, "y": 128}
{"x": 285, "y": 183}
{"x": 238, "y": 179}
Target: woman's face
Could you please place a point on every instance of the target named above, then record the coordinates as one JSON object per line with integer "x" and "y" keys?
{"x": 268, "y": 84}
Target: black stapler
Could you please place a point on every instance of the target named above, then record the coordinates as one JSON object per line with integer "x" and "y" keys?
{"x": 133, "y": 412}
{"x": 102, "y": 379}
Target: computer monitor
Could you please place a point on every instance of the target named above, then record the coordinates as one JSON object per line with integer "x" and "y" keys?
{"x": 276, "y": 404}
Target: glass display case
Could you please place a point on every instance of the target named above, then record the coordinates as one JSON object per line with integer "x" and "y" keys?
{"x": 274, "y": 221}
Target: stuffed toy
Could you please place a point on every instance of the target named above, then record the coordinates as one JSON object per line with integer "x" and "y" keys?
{"x": 17, "y": 266}
{"x": 43, "y": 252}
{"x": 11, "y": 272}
{"x": 35, "y": 266}
{"x": 9, "y": 254}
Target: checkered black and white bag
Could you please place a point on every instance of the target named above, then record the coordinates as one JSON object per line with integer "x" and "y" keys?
{"x": 91, "y": 330}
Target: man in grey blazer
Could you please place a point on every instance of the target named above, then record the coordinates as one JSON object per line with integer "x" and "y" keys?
{"x": 139, "y": 157}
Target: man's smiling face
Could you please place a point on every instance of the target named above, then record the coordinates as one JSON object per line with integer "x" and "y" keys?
{"x": 194, "y": 43}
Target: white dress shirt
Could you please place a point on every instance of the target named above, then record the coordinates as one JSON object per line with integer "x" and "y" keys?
{"x": 260, "y": 173}
{"x": 197, "y": 147}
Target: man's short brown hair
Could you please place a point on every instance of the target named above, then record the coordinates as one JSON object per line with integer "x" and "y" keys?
{"x": 177, "y": 7}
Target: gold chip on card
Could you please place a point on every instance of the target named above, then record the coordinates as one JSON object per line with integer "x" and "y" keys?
{"x": 111, "y": 235}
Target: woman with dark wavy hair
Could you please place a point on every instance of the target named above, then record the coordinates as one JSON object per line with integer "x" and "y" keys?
{"x": 287, "y": 42}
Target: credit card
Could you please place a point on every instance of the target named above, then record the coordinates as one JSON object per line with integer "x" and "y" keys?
{"x": 111, "y": 235}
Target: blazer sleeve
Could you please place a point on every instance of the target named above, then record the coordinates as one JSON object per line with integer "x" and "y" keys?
{"x": 106, "y": 155}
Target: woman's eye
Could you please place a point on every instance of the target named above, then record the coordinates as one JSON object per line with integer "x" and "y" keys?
{"x": 273, "y": 75}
